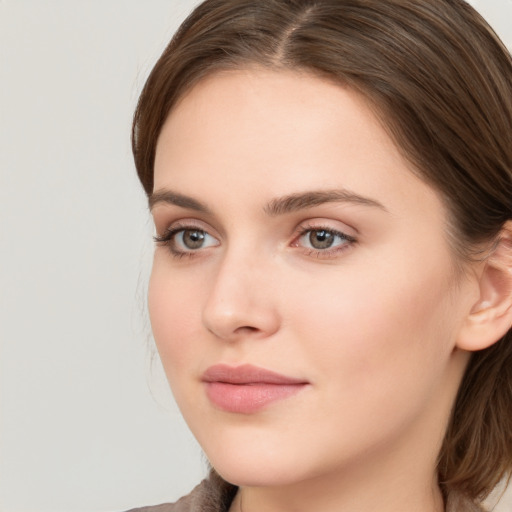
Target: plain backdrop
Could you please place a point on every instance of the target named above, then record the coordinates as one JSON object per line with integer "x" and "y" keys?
{"x": 87, "y": 423}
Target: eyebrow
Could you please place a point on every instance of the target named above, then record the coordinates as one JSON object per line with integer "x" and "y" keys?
{"x": 169, "y": 197}
{"x": 278, "y": 206}
{"x": 303, "y": 200}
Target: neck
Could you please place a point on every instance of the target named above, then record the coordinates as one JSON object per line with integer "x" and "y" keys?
{"x": 345, "y": 493}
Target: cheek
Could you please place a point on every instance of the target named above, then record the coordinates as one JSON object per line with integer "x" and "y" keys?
{"x": 378, "y": 352}
{"x": 175, "y": 319}
{"x": 380, "y": 328}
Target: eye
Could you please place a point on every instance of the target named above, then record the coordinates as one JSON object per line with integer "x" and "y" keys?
{"x": 322, "y": 241}
{"x": 319, "y": 238}
{"x": 186, "y": 240}
{"x": 193, "y": 239}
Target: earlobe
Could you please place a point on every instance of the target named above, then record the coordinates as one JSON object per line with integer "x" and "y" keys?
{"x": 490, "y": 317}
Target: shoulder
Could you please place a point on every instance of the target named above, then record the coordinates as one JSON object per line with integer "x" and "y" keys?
{"x": 182, "y": 505}
{"x": 164, "y": 507}
{"x": 211, "y": 495}
{"x": 459, "y": 503}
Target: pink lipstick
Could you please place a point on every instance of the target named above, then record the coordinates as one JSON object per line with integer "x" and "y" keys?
{"x": 247, "y": 389}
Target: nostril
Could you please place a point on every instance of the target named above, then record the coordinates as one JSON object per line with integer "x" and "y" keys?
{"x": 247, "y": 329}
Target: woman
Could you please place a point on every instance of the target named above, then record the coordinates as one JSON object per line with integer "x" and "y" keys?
{"x": 331, "y": 294}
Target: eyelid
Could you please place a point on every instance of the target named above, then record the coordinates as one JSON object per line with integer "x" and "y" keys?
{"x": 163, "y": 226}
{"x": 327, "y": 224}
{"x": 165, "y": 215}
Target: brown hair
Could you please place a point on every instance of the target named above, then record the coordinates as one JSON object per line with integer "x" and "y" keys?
{"x": 440, "y": 80}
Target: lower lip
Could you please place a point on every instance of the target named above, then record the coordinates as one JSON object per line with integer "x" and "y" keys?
{"x": 248, "y": 398}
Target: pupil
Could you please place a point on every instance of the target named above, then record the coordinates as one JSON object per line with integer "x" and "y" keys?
{"x": 321, "y": 239}
{"x": 193, "y": 239}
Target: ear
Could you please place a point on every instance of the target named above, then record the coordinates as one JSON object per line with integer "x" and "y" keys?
{"x": 490, "y": 317}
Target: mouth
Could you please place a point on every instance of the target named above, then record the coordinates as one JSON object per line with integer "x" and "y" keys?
{"x": 247, "y": 389}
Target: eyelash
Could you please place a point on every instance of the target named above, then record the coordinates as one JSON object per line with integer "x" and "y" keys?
{"x": 167, "y": 240}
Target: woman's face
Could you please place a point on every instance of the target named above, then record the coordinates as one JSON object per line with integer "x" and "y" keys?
{"x": 295, "y": 239}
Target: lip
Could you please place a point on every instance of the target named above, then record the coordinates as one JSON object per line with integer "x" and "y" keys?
{"x": 247, "y": 389}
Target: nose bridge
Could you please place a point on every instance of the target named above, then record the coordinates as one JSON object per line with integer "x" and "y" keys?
{"x": 240, "y": 299}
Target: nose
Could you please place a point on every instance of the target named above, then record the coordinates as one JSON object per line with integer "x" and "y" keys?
{"x": 241, "y": 302}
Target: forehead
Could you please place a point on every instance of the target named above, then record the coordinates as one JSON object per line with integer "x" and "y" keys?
{"x": 279, "y": 132}
{"x": 257, "y": 102}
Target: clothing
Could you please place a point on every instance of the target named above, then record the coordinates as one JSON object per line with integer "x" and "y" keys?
{"x": 212, "y": 495}
{"x": 216, "y": 495}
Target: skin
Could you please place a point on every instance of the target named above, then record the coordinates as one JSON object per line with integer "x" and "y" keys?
{"x": 372, "y": 323}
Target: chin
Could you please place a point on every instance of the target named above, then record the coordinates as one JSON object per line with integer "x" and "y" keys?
{"x": 250, "y": 473}
{"x": 256, "y": 460}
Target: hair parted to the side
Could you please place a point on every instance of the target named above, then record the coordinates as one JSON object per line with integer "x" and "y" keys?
{"x": 440, "y": 81}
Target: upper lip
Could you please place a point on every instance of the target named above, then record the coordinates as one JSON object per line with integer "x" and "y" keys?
{"x": 246, "y": 374}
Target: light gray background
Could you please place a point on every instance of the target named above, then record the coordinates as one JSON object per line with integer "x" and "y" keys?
{"x": 87, "y": 423}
